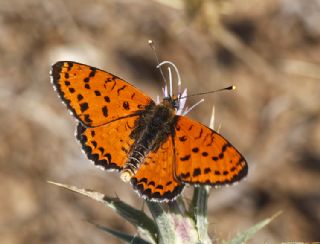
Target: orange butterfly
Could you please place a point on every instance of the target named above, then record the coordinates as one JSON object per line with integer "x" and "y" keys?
{"x": 153, "y": 147}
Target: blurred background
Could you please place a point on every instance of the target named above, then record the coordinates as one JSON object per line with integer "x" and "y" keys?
{"x": 269, "y": 49}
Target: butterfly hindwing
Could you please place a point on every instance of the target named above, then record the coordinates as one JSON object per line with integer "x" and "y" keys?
{"x": 95, "y": 97}
{"x": 108, "y": 145}
{"x": 155, "y": 178}
{"x": 205, "y": 157}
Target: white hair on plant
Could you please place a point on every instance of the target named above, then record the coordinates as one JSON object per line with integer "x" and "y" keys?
{"x": 170, "y": 74}
{"x": 182, "y": 101}
{"x": 168, "y": 92}
{"x": 187, "y": 110}
{"x": 212, "y": 119}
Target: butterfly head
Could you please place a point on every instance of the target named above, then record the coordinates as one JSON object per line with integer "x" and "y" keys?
{"x": 171, "y": 102}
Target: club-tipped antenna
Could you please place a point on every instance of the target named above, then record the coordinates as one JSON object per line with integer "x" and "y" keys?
{"x": 214, "y": 91}
{"x": 153, "y": 47}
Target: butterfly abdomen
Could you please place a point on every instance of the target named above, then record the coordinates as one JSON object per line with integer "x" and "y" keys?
{"x": 151, "y": 130}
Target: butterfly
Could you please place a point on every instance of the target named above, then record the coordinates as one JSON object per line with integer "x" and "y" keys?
{"x": 153, "y": 147}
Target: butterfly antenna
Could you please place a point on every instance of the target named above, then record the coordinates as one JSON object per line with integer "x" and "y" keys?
{"x": 214, "y": 91}
{"x": 153, "y": 47}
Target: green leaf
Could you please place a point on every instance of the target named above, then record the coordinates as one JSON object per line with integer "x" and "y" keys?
{"x": 248, "y": 234}
{"x": 136, "y": 217}
{"x": 123, "y": 236}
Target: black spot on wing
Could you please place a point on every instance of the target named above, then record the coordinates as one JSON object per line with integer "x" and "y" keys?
{"x": 79, "y": 97}
{"x": 185, "y": 158}
{"x": 87, "y": 119}
{"x": 151, "y": 183}
{"x": 159, "y": 187}
{"x": 182, "y": 138}
{"x": 196, "y": 172}
{"x": 204, "y": 154}
{"x": 195, "y": 149}
{"x": 126, "y": 105}
{"x": 105, "y": 111}
{"x": 84, "y": 107}
{"x": 120, "y": 89}
{"x": 94, "y": 143}
{"x": 93, "y": 72}
{"x": 184, "y": 176}
{"x": 108, "y": 156}
{"x": 200, "y": 134}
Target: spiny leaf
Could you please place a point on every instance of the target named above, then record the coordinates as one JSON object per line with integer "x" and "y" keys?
{"x": 134, "y": 216}
{"x": 123, "y": 236}
{"x": 248, "y": 234}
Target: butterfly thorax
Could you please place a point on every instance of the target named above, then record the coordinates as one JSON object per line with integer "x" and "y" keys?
{"x": 151, "y": 130}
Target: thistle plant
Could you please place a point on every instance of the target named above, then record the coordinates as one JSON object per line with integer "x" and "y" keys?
{"x": 170, "y": 223}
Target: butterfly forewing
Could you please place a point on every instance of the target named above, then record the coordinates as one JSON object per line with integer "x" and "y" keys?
{"x": 95, "y": 97}
{"x": 205, "y": 157}
{"x": 155, "y": 178}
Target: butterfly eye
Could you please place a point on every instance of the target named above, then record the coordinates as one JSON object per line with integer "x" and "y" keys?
{"x": 176, "y": 104}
